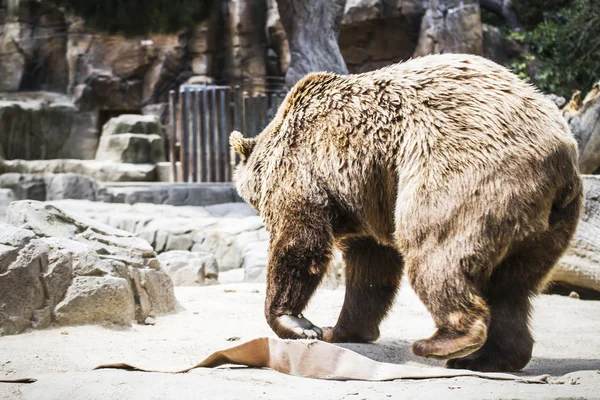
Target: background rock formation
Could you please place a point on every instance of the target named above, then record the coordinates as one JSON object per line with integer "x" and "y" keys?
{"x": 59, "y": 268}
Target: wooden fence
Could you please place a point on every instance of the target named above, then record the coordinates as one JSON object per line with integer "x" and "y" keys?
{"x": 200, "y": 121}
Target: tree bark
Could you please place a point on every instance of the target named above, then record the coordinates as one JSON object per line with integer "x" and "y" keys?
{"x": 312, "y": 28}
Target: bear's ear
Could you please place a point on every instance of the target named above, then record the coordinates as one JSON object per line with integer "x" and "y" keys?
{"x": 241, "y": 145}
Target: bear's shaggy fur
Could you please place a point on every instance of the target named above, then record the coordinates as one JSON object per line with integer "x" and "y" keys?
{"x": 447, "y": 164}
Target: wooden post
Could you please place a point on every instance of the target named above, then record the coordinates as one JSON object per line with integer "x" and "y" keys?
{"x": 171, "y": 134}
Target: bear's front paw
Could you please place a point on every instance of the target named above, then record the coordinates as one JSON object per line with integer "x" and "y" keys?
{"x": 292, "y": 327}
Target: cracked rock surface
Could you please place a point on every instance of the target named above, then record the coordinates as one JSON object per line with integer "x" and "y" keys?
{"x": 59, "y": 268}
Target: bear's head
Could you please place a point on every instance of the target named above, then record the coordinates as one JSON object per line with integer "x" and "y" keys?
{"x": 248, "y": 170}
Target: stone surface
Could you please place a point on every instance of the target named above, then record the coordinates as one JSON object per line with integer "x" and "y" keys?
{"x": 131, "y": 138}
{"x": 585, "y": 126}
{"x": 6, "y": 197}
{"x": 580, "y": 266}
{"x": 131, "y": 148}
{"x": 44, "y": 125}
{"x": 35, "y": 126}
{"x": 117, "y": 73}
{"x": 104, "y": 171}
{"x": 56, "y": 267}
{"x": 497, "y": 47}
{"x": 132, "y": 123}
{"x": 51, "y": 186}
{"x": 104, "y": 299}
{"x": 451, "y": 26}
{"x": 231, "y": 233}
{"x": 177, "y": 194}
{"x": 189, "y": 268}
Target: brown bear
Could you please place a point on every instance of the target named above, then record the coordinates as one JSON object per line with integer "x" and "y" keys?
{"x": 448, "y": 164}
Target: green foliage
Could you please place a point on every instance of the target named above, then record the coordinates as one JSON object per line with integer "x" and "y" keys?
{"x": 139, "y": 17}
{"x": 564, "y": 37}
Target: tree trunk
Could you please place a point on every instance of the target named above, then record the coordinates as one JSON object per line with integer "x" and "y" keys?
{"x": 451, "y": 26}
{"x": 312, "y": 28}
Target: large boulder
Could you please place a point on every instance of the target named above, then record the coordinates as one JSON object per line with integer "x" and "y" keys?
{"x": 56, "y": 267}
{"x": 130, "y": 138}
{"x": 580, "y": 266}
{"x": 131, "y": 148}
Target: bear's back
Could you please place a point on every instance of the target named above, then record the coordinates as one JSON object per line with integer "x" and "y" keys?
{"x": 442, "y": 113}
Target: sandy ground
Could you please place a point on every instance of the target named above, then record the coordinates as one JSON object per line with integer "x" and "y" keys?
{"x": 567, "y": 333}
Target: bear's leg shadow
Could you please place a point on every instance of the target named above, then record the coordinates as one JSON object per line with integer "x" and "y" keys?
{"x": 373, "y": 273}
{"x": 444, "y": 282}
{"x": 513, "y": 282}
{"x": 298, "y": 259}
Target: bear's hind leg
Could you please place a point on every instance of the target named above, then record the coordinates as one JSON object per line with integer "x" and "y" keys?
{"x": 448, "y": 287}
{"x": 373, "y": 273}
{"x": 509, "y": 344}
{"x": 513, "y": 282}
{"x": 299, "y": 254}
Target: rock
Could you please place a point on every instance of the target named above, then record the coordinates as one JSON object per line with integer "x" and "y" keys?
{"x": 498, "y": 47}
{"x": 580, "y": 265}
{"x": 21, "y": 290}
{"x": 179, "y": 242}
{"x": 254, "y": 261}
{"x": 6, "y": 197}
{"x": 558, "y": 100}
{"x": 163, "y": 171}
{"x": 56, "y": 267}
{"x": 451, "y": 26}
{"x": 103, "y": 171}
{"x": 228, "y": 239}
{"x": 51, "y": 186}
{"x": 176, "y": 194}
{"x": 71, "y": 186}
{"x": 362, "y": 10}
{"x": 38, "y": 125}
{"x": 130, "y": 138}
{"x": 585, "y": 125}
{"x": 159, "y": 289}
{"x": 189, "y": 268}
{"x": 96, "y": 299}
{"x": 131, "y": 148}
{"x": 112, "y": 72}
{"x": 132, "y": 123}
{"x": 24, "y": 186}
